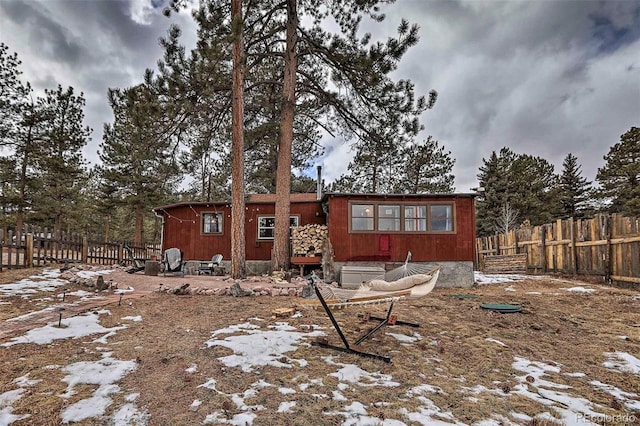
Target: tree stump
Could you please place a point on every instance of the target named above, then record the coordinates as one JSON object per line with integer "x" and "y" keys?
{"x": 151, "y": 268}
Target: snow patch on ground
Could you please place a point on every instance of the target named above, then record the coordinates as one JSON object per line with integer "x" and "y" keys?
{"x": 131, "y": 318}
{"x": 72, "y": 328}
{"x": 46, "y": 281}
{"x": 258, "y": 348}
{"x": 404, "y": 338}
{"x": 91, "y": 274}
{"x": 104, "y": 373}
{"x": 619, "y": 394}
{"x": 8, "y": 398}
{"x": 571, "y": 409}
{"x": 579, "y": 290}
{"x": 481, "y": 278}
{"x": 355, "y": 375}
{"x": 622, "y": 362}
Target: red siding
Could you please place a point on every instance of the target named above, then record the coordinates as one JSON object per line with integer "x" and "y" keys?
{"x": 458, "y": 246}
{"x": 182, "y": 229}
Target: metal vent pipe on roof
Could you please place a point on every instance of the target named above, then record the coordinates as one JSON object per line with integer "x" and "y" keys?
{"x": 319, "y": 183}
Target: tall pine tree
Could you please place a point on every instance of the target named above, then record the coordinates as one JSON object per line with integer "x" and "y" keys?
{"x": 139, "y": 167}
{"x": 619, "y": 178}
{"x": 574, "y": 189}
{"x": 60, "y": 162}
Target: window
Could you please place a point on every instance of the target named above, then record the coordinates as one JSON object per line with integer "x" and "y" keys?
{"x": 441, "y": 217}
{"x": 388, "y": 218}
{"x": 212, "y": 223}
{"x": 415, "y": 218}
{"x": 362, "y": 217}
{"x": 401, "y": 217}
{"x": 267, "y": 226}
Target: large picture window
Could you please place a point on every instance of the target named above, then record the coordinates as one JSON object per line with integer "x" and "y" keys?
{"x": 401, "y": 217}
{"x": 267, "y": 226}
{"x": 212, "y": 223}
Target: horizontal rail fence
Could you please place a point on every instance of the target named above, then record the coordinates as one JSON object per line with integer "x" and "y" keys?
{"x": 40, "y": 246}
{"x": 607, "y": 246}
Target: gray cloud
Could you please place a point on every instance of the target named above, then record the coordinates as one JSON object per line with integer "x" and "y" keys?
{"x": 542, "y": 77}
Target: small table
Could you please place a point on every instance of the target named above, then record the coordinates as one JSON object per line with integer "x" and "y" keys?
{"x": 302, "y": 261}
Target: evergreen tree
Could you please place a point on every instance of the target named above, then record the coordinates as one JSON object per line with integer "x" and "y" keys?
{"x": 534, "y": 189}
{"x": 19, "y": 123}
{"x": 574, "y": 189}
{"x": 13, "y": 96}
{"x": 494, "y": 179}
{"x": 427, "y": 169}
{"x": 139, "y": 167}
{"x": 29, "y": 139}
{"x": 619, "y": 178}
{"x": 60, "y": 163}
{"x": 8, "y": 178}
{"x": 527, "y": 184}
{"x": 417, "y": 168}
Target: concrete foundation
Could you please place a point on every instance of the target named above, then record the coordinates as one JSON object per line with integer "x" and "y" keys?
{"x": 452, "y": 274}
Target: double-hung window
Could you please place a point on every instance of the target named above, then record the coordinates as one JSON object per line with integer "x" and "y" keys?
{"x": 212, "y": 223}
{"x": 267, "y": 226}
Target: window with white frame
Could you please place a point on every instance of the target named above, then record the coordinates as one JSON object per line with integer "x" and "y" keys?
{"x": 212, "y": 223}
{"x": 415, "y": 218}
{"x": 401, "y": 217}
{"x": 267, "y": 226}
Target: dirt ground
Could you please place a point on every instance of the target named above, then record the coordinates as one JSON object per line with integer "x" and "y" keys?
{"x": 461, "y": 347}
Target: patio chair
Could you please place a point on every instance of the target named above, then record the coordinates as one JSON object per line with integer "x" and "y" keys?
{"x": 173, "y": 262}
{"x": 214, "y": 267}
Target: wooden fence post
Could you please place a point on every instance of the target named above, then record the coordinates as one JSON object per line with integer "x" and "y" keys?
{"x": 85, "y": 249}
{"x": 2, "y": 243}
{"x": 574, "y": 249}
{"x": 28, "y": 251}
{"x": 609, "y": 249}
{"x": 543, "y": 248}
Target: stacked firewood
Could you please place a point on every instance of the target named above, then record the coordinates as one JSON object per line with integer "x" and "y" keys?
{"x": 308, "y": 240}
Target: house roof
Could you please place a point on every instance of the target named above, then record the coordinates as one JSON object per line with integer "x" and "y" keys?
{"x": 326, "y": 195}
{"x": 309, "y": 198}
{"x": 251, "y": 199}
{"x": 271, "y": 198}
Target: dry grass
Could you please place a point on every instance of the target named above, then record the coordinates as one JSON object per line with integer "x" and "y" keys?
{"x": 569, "y": 329}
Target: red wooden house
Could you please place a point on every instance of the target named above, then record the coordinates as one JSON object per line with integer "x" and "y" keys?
{"x": 364, "y": 229}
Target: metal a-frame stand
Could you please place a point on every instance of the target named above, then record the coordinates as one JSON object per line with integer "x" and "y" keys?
{"x": 388, "y": 320}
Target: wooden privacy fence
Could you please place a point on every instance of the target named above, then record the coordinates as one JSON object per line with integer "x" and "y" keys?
{"x": 607, "y": 245}
{"x": 39, "y": 246}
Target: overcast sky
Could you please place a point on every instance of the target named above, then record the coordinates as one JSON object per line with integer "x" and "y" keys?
{"x": 542, "y": 77}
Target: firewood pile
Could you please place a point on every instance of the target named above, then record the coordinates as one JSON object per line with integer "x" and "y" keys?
{"x": 506, "y": 264}
{"x": 308, "y": 240}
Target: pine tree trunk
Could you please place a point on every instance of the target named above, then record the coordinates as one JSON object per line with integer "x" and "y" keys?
{"x": 238, "y": 267}
{"x": 280, "y": 256}
{"x": 23, "y": 184}
{"x": 139, "y": 230}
